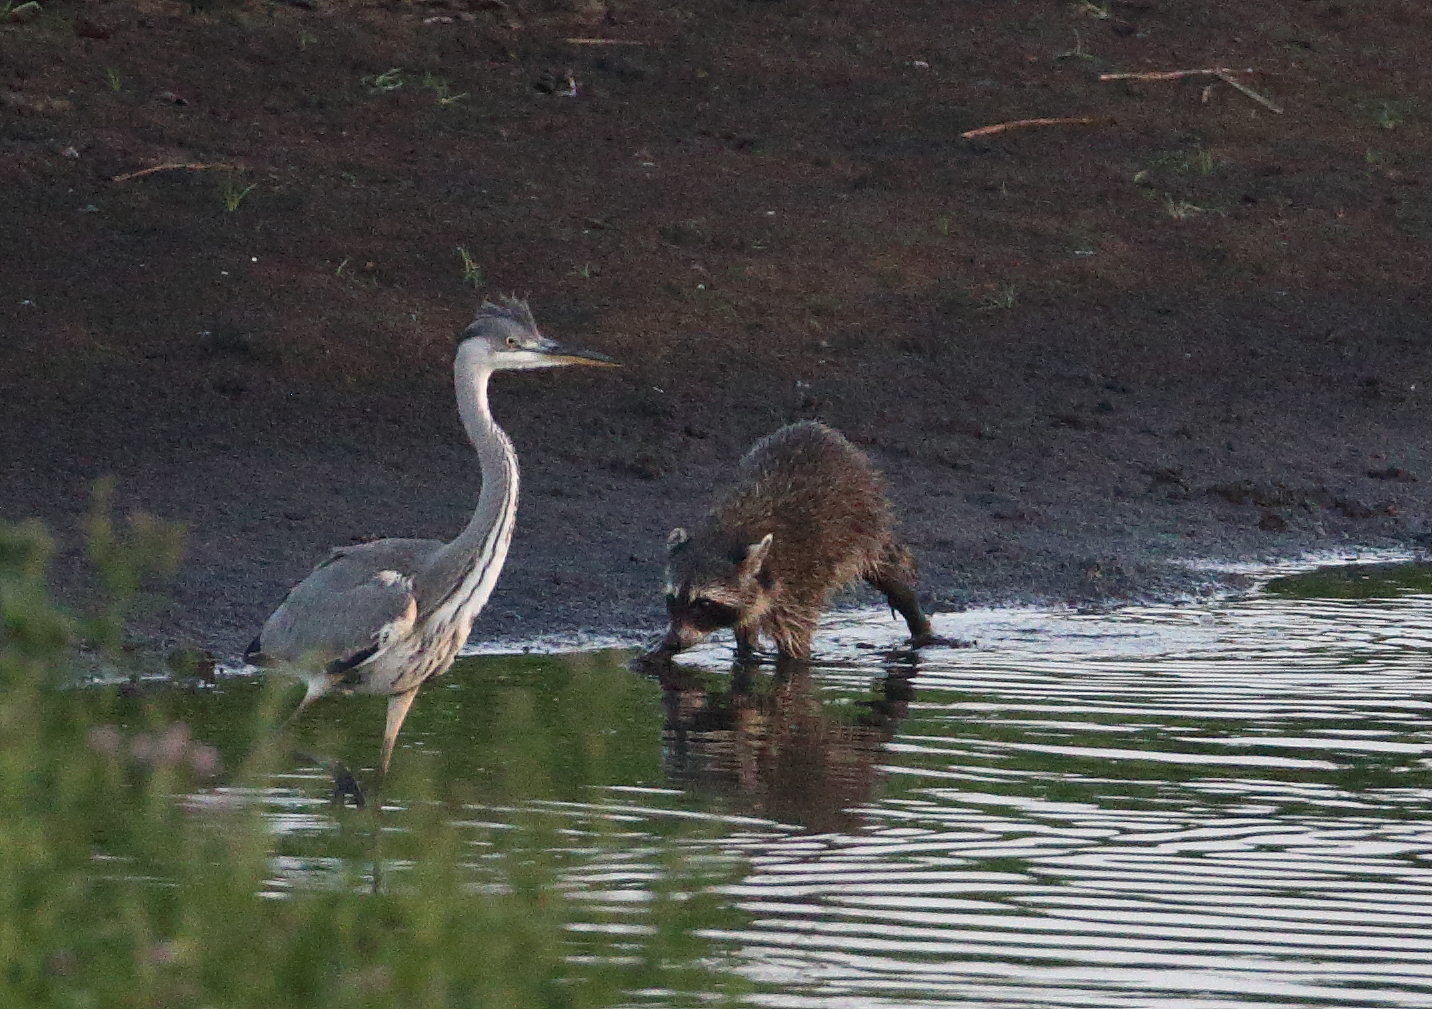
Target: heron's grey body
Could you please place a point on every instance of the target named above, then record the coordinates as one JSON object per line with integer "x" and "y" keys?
{"x": 384, "y": 617}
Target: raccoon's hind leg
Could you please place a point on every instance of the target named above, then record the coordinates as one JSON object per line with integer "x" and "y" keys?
{"x": 895, "y": 578}
{"x": 902, "y": 600}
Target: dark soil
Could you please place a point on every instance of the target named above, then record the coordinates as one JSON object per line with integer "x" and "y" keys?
{"x": 1193, "y": 327}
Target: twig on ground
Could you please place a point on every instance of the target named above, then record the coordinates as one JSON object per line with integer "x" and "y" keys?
{"x": 1019, "y": 124}
{"x": 1227, "y": 78}
{"x": 1224, "y": 74}
{"x": 169, "y": 167}
{"x": 1169, "y": 75}
{"x": 604, "y": 42}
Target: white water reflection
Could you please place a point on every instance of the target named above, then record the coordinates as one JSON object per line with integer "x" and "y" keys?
{"x": 1189, "y": 807}
{"x": 1181, "y": 806}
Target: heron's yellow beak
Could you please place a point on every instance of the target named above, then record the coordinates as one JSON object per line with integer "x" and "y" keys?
{"x": 561, "y": 354}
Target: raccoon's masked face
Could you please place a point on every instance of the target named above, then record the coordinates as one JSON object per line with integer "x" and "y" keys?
{"x": 708, "y": 590}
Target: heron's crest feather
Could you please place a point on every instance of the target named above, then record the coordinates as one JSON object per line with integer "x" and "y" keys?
{"x": 511, "y": 308}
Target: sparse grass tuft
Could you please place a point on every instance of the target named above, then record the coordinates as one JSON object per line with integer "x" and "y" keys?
{"x": 471, "y": 271}
{"x": 1199, "y": 161}
{"x": 232, "y": 191}
{"x": 1182, "y": 210}
{"x": 439, "y": 87}
{"x": 22, "y": 12}
{"x": 381, "y": 84}
{"x": 1389, "y": 117}
{"x": 1077, "y": 53}
{"x": 1005, "y": 297}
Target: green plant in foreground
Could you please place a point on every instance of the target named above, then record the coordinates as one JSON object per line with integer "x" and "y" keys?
{"x": 112, "y": 78}
{"x": 232, "y": 192}
{"x": 123, "y": 559}
{"x": 471, "y": 271}
{"x": 127, "y": 879}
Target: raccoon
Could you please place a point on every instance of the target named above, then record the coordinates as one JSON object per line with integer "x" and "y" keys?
{"x": 808, "y": 516}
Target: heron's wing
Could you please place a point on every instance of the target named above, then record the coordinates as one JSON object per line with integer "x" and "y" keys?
{"x": 349, "y": 607}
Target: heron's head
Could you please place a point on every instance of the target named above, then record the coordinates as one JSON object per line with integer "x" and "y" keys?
{"x": 504, "y": 337}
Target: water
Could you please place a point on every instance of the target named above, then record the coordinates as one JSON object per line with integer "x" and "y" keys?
{"x": 1182, "y": 806}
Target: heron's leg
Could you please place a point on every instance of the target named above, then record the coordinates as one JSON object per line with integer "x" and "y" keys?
{"x": 398, "y": 706}
{"x": 345, "y": 786}
{"x": 316, "y": 689}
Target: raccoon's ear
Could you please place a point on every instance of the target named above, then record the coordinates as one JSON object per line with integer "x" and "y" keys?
{"x": 675, "y": 538}
{"x": 756, "y": 555}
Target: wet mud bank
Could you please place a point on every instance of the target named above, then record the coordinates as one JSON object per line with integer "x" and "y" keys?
{"x": 1014, "y": 479}
{"x": 1189, "y": 324}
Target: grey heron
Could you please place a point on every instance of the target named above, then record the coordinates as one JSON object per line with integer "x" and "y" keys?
{"x": 385, "y": 617}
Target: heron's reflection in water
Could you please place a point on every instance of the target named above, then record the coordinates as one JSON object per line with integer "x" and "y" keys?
{"x": 768, "y": 743}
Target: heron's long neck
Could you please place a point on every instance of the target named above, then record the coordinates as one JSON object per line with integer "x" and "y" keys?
{"x": 465, "y": 570}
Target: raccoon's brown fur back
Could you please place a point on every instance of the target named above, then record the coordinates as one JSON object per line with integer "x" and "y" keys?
{"x": 825, "y": 503}
{"x": 824, "y": 506}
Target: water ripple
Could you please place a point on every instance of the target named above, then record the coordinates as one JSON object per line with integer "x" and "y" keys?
{"x": 1183, "y": 807}
{"x": 1176, "y": 806}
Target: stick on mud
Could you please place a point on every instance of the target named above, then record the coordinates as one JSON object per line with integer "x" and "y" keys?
{"x": 1222, "y": 73}
{"x": 170, "y": 167}
{"x": 1169, "y": 75}
{"x": 1228, "y": 79}
{"x": 1019, "y": 124}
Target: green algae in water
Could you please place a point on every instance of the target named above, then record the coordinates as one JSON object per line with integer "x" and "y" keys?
{"x": 1356, "y": 581}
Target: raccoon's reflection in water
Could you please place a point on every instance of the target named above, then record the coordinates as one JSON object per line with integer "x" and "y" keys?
{"x": 766, "y": 742}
